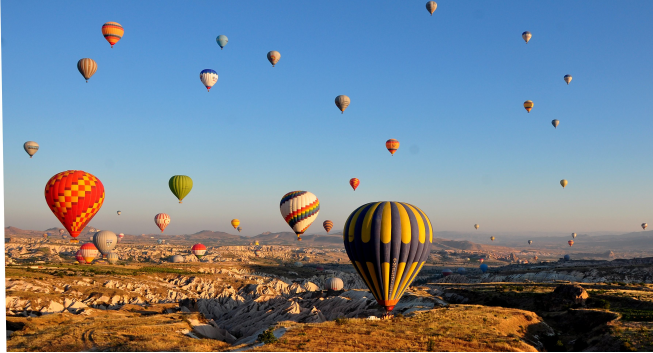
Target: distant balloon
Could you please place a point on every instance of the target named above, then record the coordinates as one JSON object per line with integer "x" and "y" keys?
{"x": 113, "y": 258}
{"x": 564, "y": 183}
{"x": 392, "y": 145}
{"x": 573, "y": 235}
{"x": 535, "y": 257}
{"x": 79, "y": 257}
{"x": 327, "y": 225}
{"x": 89, "y": 252}
{"x": 74, "y": 197}
{"x": 447, "y": 272}
{"x": 483, "y": 268}
{"x": 222, "y": 41}
{"x": 105, "y": 241}
{"x": 354, "y": 182}
{"x": 568, "y": 79}
{"x": 492, "y": 238}
{"x": 120, "y": 236}
{"x": 388, "y": 243}
{"x": 162, "y": 220}
{"x": 180, "y": 185}
{"x": 527, "y": 36}
{"x": 239, "y": 229}
{"x": 528, "y": 105}
{"x": 567, "y": 257}
{"x": 431, "y": 6}
{"x": 45, "y": 235}
{"x": 334, "y": 284}
{"x": 299, "y": 209}
{"x": 209, "y": 78}
{"x": 119, "y": 213}
{"x": 257, "y": 253}
{"x": 31, "y": 147}
{"x": 461, "y": 270}
{"x": 87, "y": 67}
{"x": 235, "y": 223}
{"x": 159, "y": 241}
{"x": 481, "y": 260}
{"x": 530, "y": 242}
{"x": 342, "y": 102}
{"x": 274, "y": 57}
{"x": 198, "y": 250}
{"x": 476, "y": 226}
{"x": 112, "y": 32}
{"x": 177, "y": 259}
{"x": 571, "y": 242}
{"x": 555, "y": 123}
{"x": 644, "y": 225}
{"x": 256, "y": 243}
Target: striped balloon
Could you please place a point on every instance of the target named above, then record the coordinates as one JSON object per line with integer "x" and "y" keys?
{"x": 87, "y": 67}
{"x": 354, "y": 182}
{"x": 392, "y": 145}
{"x": 528, "y": 105}
{"x": 89, "y": 252}
{"x": 113, "y": 258}
{"x": 120, "y": 236}
{"x": 162, "y": 220}
{"x": 342, "y": 102}
{"x": 299, "y": 209}
{"x": 198, "y": 250}
{"x": 334, "y": 284}
{"x": 235, "y": 223}
{"x": 31, "y": 147}
{"x": 79, "y": 257}
{"x": 388, "y": 243}
{"x": 208, "y": 78}
{"x": 327, "y": 225}
{"x": 112, "y": 32}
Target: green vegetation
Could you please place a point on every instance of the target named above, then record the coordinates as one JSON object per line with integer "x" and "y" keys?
{"x": 267, "y": 336}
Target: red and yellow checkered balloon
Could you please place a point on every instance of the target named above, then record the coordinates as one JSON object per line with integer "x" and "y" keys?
{"x": 74, "y": 196}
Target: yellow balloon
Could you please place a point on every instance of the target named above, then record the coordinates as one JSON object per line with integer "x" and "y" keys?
{"x": 528, "y": 105}
{"x": 235, "y": 223}
{"x": 564, "y": 183}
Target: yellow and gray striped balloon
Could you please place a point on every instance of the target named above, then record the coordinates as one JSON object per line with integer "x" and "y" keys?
{"x": 87, "y": 67}
{"x": 342, "y": 102}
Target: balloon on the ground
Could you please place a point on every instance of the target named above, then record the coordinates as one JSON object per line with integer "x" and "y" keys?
{"x": 87, "y": 67}
{"x": 274, "y": 57}
{"x": 105, "y": 241}
{"x": 209, "y": 78}
{"x": 342, "y": 102}
{"x": 564, "y": 183}
{"x": 483, "y": 268}
{"x": 299, "y": 209}
{"x": 555, "y": 123}
{"x": 567, "y": 257}
{"x": 567, "y": 79}
{"x": 162, "y": 220}
{"x": 354, "y": 182}
{"x": 180, "y": 185}
{"x": 112, "y": 32}
{"x": 74, "y": 197}
{"x": 222, "y": 40}
{"x": 388, "y": 243}
{"x": 113, "y": 258}
{"x": 461, "y": 270}
{"x": 526, "y": 36}
{"x": 198, "y": 250}
{"x": 447, "y": 272}
{"x": 392, "y": 145}
{"x": 327, "y": 225}
{"x": 31, "y": 147}
{"x": 431, "y": 6}
{"x": 79, "y": 257}
{"x": 334, "y": 283}
{"x": 177, "y": 259}
{"x": 528, "y": 105}
{"x": 89, "y": 252}
{"x": 235, "y": 223}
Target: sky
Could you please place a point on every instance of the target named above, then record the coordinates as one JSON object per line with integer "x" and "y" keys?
{"x": 449, "y": 87}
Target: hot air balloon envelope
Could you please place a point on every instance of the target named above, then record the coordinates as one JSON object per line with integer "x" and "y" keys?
{"x": 31, "y": 147}
{"x": 299, "y": 209}
{"x": 222, "y": 40}
{"x": 327, "y": 225}
{"x": 180, "y": 185}
{"x": 354, "y": 182}
{"x": 162, "y": 220}
{"x": 431, "y": 6}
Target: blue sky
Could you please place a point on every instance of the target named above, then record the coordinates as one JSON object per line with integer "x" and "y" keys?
{"x": 449, "y": 87}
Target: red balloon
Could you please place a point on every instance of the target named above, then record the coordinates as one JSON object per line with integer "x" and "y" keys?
{"x": 354, "y": 182}
{"x": 571, "y": 242}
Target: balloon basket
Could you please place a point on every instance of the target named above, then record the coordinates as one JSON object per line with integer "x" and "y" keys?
{"x": 74, "y": 241}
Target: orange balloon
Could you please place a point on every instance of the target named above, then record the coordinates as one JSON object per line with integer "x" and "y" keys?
{"x": 354, "y": 182}
{"x": 571, "y": 242}
{"x": 392, "y": 145}
{"x": 112, "y": 32}
{"x": 74, "y": 197}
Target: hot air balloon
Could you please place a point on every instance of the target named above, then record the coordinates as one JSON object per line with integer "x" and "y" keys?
{"x": 528, "y": 105}
{"x": 177, "y": 259}
{"x": 239, "y": 229}
{"x": 89, "y": 252}
{"x": 274, "y": 57}
{"x": 431, "y": 6}
{"x": 327, "y": 225}
{"x": 530, "y": 242}
{"x": 299, "y": 209}
{"x": 162, "y": 220}
{"x": 388, "y": 243}
{"x": 112, "y": 32}
{"x": 120, "y": 236}
{"x": 354, "y": 182}
{"x": 209, "y": 78}
{"x": 31, "y": 147}
{"x": 568, "y": 79}
{"x": 481, "y": 260}
{"x": 198, "y": 250}
{"x": 483, "y": 268}
{"x": 535, "y": 258}
{"x": 461, "y": 270}
{"x": 256, "y": 243}
{"x": 573, "y": 235}
{"x": 527, "y": 36}
{"x": 334, "y": 283}
{"x": 45, "y": 235}
{"x": 180, "y": 185}
{"x": 159, "y": 241}
{"x": 446, "y": 272}
{"x": 79, "y": 257}
{"x": 644, "y": 225}
{"x": 555, "y": 123}
{"x": 567, "y": 257}
{"x": 74, "y": 197}
{"x": 564, "y": 183}
{"x": 392, "y": 145}
{"x": 492, "y": 238}
{"x": 257, "y": 253}
{"x": 113, "y": 258}
{"x": 87, "y": 67}
{"x": 222, "y": 41}
{"x": 342, "y": 102}
{"x": 235, "y": 223}
{"x": 571, "y": 242}
{"x": 105, "y": 241}
{"x": 476, "y": 226}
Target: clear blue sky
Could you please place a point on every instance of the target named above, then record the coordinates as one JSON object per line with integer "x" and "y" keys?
{"x": 450, "y": 88}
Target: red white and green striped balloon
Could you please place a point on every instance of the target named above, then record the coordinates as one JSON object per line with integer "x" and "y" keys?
{"x": 198, "y": 250}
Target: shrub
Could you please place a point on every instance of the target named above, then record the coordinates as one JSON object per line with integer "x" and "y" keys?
{"x": 267, "y": 336}
{"x": 431, "y": 346}
{"x": 342, "y": 321}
